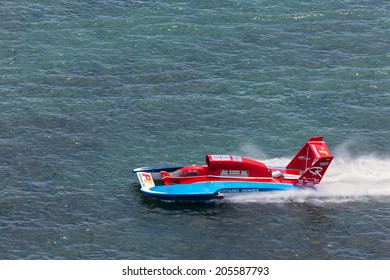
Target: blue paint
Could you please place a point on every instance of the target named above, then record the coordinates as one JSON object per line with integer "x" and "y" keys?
{"x": 208, "y": 190}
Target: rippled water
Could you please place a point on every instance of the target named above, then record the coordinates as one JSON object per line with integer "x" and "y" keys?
{"x": 90, "y": 90}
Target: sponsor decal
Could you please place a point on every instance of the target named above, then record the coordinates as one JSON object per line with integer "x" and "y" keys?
{"x": 238, "y": 190}
{"x": 316, "y": 171}
{"x": 230, "y": 191}
{"x": 240, "y": 173}
{"x": 249, "y": 190}
{"x": 237, "y": 158}
{"x": 322, "y": 151}
{"x": 221, "y": 157}
{"x": 319, "y": 150}
{"x": 314, "y": 148}
{"x": 146, "y": 180}
{"x": 305, "y": 182}
{"x": 226, "y": 158}
{"x": 303, "y": 158}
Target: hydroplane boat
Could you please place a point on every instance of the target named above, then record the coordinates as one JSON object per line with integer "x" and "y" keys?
{"x": 229, "y": 174}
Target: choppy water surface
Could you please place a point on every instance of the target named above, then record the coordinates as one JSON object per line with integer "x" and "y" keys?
{"x": 91, "y": 89}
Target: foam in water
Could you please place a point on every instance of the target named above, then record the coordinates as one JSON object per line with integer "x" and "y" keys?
{"x": 348, "y": 179}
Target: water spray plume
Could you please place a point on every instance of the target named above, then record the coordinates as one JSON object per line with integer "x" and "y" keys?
{"x": 348, "y": 179}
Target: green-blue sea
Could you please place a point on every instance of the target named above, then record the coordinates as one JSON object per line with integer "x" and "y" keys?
{"x": 91, "y": 89}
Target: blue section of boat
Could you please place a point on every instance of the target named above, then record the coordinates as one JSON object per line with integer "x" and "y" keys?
{"x": 208, "y": 190}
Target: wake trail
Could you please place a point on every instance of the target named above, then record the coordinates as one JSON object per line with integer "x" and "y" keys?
{"x": 348, "y": 179}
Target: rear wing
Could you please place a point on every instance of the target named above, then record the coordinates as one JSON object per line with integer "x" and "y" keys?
{"x": 312, "y": 161}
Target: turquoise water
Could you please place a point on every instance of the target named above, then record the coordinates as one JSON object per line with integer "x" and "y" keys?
{"x": 91, "y": 90}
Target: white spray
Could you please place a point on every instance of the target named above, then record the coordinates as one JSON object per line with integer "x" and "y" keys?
{"x": 348, "y": 179}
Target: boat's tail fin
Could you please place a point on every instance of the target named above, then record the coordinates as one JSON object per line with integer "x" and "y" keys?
{"x": 313, "y": 160}
{"x": 314, "y": 174}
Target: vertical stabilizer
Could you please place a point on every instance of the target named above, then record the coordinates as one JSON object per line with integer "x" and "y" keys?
{"x": 305, "y": 157}
{"x": 313, "y": 160}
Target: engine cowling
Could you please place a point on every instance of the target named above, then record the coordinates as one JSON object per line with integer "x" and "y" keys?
{"x": 229, "y": 165}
